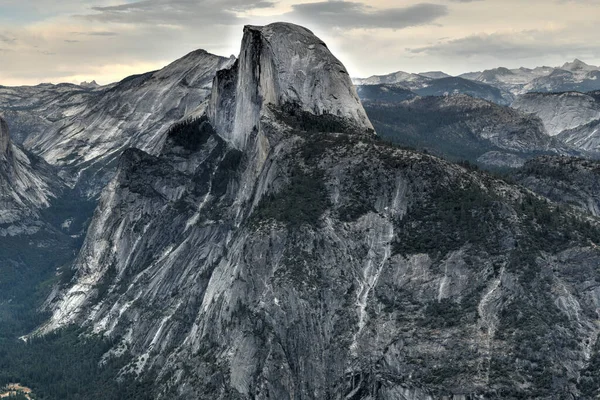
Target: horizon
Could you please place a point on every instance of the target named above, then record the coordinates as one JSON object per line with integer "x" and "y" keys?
{"x": 107, "y": 40}
{"x": 100, "y": 84}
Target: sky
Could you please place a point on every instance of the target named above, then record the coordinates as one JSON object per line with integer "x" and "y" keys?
{"x": 107, "y": 40}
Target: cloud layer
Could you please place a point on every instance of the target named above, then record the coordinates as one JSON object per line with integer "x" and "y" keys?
{"x": 106, "y": 40}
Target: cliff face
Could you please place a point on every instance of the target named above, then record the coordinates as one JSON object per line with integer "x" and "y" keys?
{"x": 281, "y": 64}
{"x": 296, "y": 256}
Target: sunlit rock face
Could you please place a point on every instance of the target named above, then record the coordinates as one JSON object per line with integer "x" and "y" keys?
{"x": 275, "y": 249}
{"x": 281, "y": 64}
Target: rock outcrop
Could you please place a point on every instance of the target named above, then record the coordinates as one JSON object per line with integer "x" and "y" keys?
{"x": 281, "y": 64}
{"x": 297, "y": 256}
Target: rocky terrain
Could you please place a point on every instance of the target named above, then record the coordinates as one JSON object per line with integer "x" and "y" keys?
{"x": 84, "y": 130}
{"x": 32, "y": 244}
{"x": 560, "y": 111}
{"x": 572, "y": 117}
{"x": 458, "y": 127}
{"x": 276, "y": 248}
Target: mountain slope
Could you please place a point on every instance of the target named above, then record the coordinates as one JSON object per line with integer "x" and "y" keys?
{"x": 571, "y": 117}
{"x": 31, "y": 247}
{"x": 27, "y": 185}
{"x": 297, "y": 256}
{"x": 571, "y": 181}
{"x": 456, "y": 85}
{"x": 461, "y": 128}
{"x": 84, "y": 131}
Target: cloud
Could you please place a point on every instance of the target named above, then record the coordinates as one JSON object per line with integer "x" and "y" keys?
{"x": 346, "y": 14}
{"x": 176, "y": 12}
{"x": 95, "y": 33}
{"x": 509, "y": 46}
{"x": 7, "y": 39}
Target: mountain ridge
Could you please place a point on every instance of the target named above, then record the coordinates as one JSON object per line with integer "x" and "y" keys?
{"x": 572, "y": 76}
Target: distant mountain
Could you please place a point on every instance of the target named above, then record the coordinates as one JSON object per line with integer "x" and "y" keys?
{"x": 89, "y": 85}
{"x": 384, "y": 94}
{"x": 509, "y": 80}
{"x": 572, "y": 76}
{"x": 437, "y": 84}
{"x": 405, "y": 79}
{"x": 84, "y": 131}
{"x": 455, "y": 85}
{"x": 461, "y": 127}
{"x": 561, "y": 80}
{"x": 435, "y": 74}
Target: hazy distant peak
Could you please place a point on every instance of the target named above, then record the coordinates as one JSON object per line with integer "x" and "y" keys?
{"x": 89, "y": 85}
{"x": 435, "y": 74}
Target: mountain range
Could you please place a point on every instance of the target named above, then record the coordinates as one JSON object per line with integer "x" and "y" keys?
{"x": 500, "y": 85}
{"x": 256, "y": 236}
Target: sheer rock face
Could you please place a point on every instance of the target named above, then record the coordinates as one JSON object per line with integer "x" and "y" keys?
{"x": 304, "y": 259}
{"x": 281, "y": 64}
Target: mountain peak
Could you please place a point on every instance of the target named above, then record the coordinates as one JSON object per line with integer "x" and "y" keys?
{"x": 576, "y": 65}
{"x": 281, "y": 64}
{"x": 89, "y": 85}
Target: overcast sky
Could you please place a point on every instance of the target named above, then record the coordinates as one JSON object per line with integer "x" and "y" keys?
{"x": 107, "y": 40}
